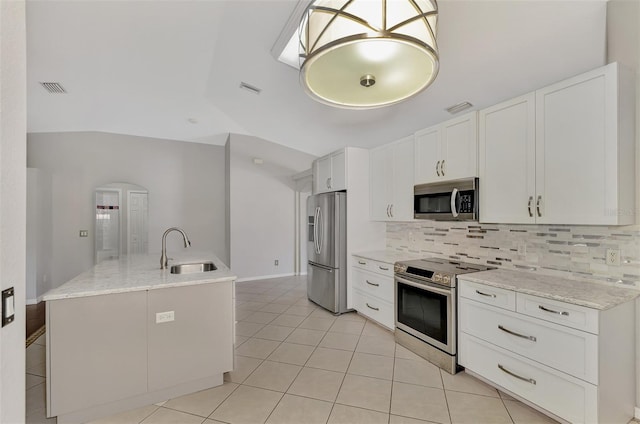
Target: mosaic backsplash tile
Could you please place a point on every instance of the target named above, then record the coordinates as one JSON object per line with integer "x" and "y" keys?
{"x": 567, "y": 251}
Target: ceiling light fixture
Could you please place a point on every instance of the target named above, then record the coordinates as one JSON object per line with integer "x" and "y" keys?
{"x": 363, "y": 54}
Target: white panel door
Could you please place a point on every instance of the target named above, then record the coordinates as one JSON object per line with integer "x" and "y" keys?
{"x": 459, "y": 147}
{"x": 427, "y": 155}
{"x": 507, "y": 161}
{"x": 572, "y": 146}
{"x": 138, "y": 240}
{"x": 402, "y": 185}
{"x": 381, "y": 174}
{"x": 338, "y": 171}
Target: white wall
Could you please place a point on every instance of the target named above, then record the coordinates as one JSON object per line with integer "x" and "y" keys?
{"x": 186, "y": 184}
{"x": 261, "y": 206}
{"x": 12, "y": 204}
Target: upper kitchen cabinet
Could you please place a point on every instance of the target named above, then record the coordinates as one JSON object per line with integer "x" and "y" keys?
{"x": 561, "y": 155}
{"x": 391, "y": 171}
{"x": 447, "y": 151}
{"x": 329, "y": 172}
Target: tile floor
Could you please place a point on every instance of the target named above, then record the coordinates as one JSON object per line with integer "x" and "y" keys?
{"x": 297, "y": 363}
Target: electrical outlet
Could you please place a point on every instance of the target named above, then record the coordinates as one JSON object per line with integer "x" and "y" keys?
{"x": 522, "y": 249}
{"x": 613, "y": 257}
{"x": 276, "y": 262}
{"x": 165, "y": 317}
{"x": 84, "y": 233}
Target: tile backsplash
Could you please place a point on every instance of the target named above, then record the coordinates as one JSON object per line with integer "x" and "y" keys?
{"x": 568, "y": 251}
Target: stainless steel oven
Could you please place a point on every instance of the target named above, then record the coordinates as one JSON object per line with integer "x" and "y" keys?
{"x": 455, "y": 200}
{"x": 426, "y": 308}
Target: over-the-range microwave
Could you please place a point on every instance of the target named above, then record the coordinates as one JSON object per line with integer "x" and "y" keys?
{"x": 455, "y": 200}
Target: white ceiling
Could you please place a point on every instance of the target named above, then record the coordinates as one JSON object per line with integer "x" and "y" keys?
{"x": 145, "y": 67}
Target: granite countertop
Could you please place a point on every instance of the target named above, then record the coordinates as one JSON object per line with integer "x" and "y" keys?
{"x": 583, "y": 293}
{"x": 388, "y": 256}
{"x": 139, "y": 272}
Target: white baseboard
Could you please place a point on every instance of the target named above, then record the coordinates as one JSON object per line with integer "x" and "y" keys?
{"x": 265, "y": 277}
{"x": 32, "y": 301}
{"x": 637, "y": 415}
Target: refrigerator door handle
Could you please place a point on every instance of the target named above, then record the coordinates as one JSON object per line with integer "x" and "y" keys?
{"x": 315, "y": 230}
{"x": 326, "y": 268}
{"x": 321, "y": 223}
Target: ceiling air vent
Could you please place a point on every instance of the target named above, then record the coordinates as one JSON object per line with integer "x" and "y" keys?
{"x": 458, "y": 108}
{"x": 53, "y": 87}
{"x": 251, "y": 88}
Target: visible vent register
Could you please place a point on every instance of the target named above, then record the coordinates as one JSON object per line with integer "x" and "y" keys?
{"x": 53, "y": 87}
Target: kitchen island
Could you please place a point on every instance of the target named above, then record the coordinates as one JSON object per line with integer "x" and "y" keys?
{"x": 127, "y": 334}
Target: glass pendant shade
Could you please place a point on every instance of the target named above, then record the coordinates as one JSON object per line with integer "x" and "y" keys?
{"x": 362, "y": 54}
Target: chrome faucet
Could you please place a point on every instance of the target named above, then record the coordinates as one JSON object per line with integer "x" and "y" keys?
{"x": 163, "y": 258}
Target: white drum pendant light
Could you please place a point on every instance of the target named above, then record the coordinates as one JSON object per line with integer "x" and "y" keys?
{"x": 362, "y": 54}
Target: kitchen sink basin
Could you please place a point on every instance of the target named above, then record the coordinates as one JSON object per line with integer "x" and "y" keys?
{"x": 193, "y": 268}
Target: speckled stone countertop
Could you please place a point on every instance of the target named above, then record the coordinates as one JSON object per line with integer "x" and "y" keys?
{"x": 388, "y": 256}
{"x": 139, "y": 272}
{"x": 590, "y": 295}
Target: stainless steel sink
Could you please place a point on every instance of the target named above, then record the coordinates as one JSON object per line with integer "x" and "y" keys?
{"x": 193, "y": 268}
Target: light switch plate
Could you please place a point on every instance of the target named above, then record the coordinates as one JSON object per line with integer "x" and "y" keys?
{"x": 167, "y": 316}
{"x": 613, "y": 257}
{"x": 8, "y": 306}
{"x": 84, "y": 233}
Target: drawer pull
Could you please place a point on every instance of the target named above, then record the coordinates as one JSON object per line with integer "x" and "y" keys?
{"x": 528, "y": 380}
{"x": 371, "y": 307}
{"x": 372, "y": 284}
{"x": 513, "y": 333}
{"x": 485, "y": 294}
{"x": 362, "y": 263}
{"x": 383, "y": 268}
{"x": 565, "y": 313}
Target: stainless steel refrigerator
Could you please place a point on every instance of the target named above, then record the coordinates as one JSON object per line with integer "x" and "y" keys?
{"x": 327, "y": 251}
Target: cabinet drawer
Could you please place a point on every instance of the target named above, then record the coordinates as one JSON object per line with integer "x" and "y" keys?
{"x": 374, "y": 308}
{"x": 567, "y": 350}
{"x": 573, "y": 316}
{"x": 495, "y": 296}
{"x": 565, "y": 396}
{"x": 373, "y": 266}
{"x": 373, "y": 284}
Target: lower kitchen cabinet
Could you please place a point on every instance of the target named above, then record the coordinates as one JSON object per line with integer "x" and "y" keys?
{"x": 373, "y": 290}
{"x": 571, "y": 361}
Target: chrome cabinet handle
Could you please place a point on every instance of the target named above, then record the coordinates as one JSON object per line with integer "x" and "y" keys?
{"x": 538, "y": 205}
{"x": 388, "y": 216}
{"x": 485, "y": 294}
{"x": 371, "y": 307}
{"x": 391, "y": 210}
{"x": 513, "y": 333}
{"x": 383, "y": 268}
{"x": 565, "y": 313}
{"x": 329, "y": 182}
{"x": 512, "y": 374}
{"x": 362, "y": 263}
{"x": 529, "y": 206}
{"x": 438, "y": 168}
{"x": 442, "y": 167}
{"x": 372, "y": 284}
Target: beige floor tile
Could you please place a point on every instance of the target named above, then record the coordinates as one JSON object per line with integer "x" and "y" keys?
{"x": 247, "y": 405}
{"x": 473, "y": 409}
{"x": 418, "y": 372}
{"x": 242, "y": 314}
{"x": 524, "y": 414}
{"x": 365, "y": 392}
{"x": 35, "y": 354}
{"x": 247, "y": 329}
{"x": 317, "y": 384}
{"x": 322, "y": 313}
{"x": 340, "y": 341}
{"x": 261, "y": 317}
{"x": 35, "y": 397}
{"x": 463, "y": 382}
{"x": 202, "y": 403}
{"x": 330, "y": 359}
{"x": 128, "y": 417}
{"x": 253, "y": 306}
{"x": 375, "y": 330}
{"x": 305, "y": 302}
{"x": 42, "y": 340}
{"x": 347, "y": 326}
{"x": 317, "y": 323}
{"x": 298, "y": 410}
{"x": 38, "y": 369}
{"x": 288, "y": 320}
{"x": 240, "y": 340}
{"x": 243, "y": 368}
{"x": 291, "y": 353}
{"x": 343, "y": 414}
{"x": 397, "y": 419}
{"x": 169, "y": 416}
{"x": 300, "y": 310}
{"x": 275, "y": 308}
{"x": 257, "y": 348}
{"x": 376, "y": 346}
{"x": 33, "y": 380}
{"x": 305, "y": 336}
{"x": 352, "y": 316}
{"x": 423, "y": 403}
{"x": 368, "y": 365}
{"x": 274, "y": 332}
{"x": 404, "y": 353}
{"x": 276, "y": 376}
{"x": 505, "y": 396}
{"x": 39, "y": 417}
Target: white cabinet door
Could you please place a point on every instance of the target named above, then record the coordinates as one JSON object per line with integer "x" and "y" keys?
{"x": 402, "y": 184}
{"x": 507, "y": 161}
{"x": 381, "y": 174}
{"x": 338, "y": 179}
{"x": 322, "y": 174}
{"x": 427, "y": 155}
{"x": 458, "y": 150}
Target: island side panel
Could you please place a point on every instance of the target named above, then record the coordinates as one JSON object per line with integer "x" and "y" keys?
{"x": 198, "y": 342}
{"x": 96, "y": 350}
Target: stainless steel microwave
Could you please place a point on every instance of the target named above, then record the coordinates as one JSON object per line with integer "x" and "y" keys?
{"x": 455, "y": 200}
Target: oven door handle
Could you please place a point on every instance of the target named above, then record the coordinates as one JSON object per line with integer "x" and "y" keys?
{"x": 431, "y": 287}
